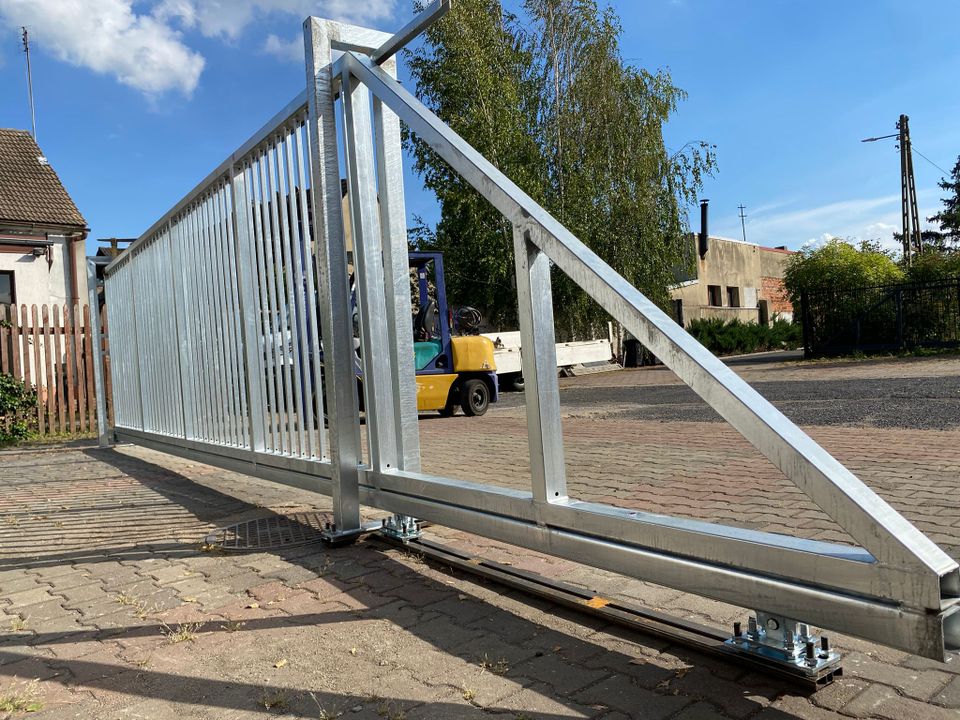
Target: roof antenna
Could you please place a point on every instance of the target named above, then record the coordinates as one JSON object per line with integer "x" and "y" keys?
{"x": 26, "y": 49}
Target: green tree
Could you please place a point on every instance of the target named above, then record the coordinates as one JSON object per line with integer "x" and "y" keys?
{"x": 838, "y": 265}
{"x": 611, "y": 179}
{"x": 949, "y": 217}
{"x": 550, "y": 101}
{"x": 475, "y": 72}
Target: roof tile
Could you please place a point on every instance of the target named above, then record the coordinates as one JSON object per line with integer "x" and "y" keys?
{"x": 30, "y": 191}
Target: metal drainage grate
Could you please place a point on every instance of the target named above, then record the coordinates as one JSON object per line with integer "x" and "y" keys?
{"x": 270, "y": 533}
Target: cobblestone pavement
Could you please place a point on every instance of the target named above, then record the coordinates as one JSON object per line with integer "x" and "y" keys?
{"x": 110, "y": 607}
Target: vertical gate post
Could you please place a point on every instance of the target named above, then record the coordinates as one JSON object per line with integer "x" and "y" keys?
{"x": 369, "y": 273}
{"x": 396, "y": 265}
{"x": 100, "y": 386}
{"x": 539, "y": 364}
{"x": 331, "y": 260}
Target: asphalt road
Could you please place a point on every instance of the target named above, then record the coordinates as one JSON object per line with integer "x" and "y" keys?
{"x": 929, "y": 403}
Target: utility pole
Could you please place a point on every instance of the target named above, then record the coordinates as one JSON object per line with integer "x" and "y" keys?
{"x": 912, "y": 240}
{"x": 908, "y": 192}
{"x": 26, "y": 49}
{"x": 743, "y": 225}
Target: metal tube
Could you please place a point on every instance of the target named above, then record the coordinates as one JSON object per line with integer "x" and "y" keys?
{"x": 368, "y": 260}
{"x": 539, "y": 364}
{"x": 98, "y": 377}
{"x": 869, "y": 519}
{"x": 396, "y": 264}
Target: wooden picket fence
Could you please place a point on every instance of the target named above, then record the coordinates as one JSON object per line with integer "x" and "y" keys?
{"x": 51, "y": 350}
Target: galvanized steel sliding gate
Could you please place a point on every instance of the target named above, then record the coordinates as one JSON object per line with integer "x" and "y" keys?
{"x": 222, "y": 312}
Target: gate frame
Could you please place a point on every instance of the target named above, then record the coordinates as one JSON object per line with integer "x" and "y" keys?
{"x": 899, "y": 589}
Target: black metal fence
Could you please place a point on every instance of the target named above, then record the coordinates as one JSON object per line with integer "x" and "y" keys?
{"x": 887, "y": 317}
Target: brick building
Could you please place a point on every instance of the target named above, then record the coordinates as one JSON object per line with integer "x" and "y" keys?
{"x": 733, "y": 279}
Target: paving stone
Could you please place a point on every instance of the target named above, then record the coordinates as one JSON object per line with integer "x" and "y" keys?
{"x": 792, "y": 706}
{"x": 949, "y": 695}
{"x": 19, "y": 584}
{"x": 565, "y": 677}
{"x": 920, "y": 684}
{"x": 82, "y": 594}
{"x": 25, "y": 598}
{"x": 737, "y": 700}
{"x": 540, "y": 701}
{"x": 621, "y": 693}
{"x": 73, "y": 579}
{"x": 885, "y": 702}
{"x": 697, "y": 711}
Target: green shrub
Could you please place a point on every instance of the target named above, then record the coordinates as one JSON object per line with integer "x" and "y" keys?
{"x": 733, "y": 337}
{"x": 837, "y": 265}
{"x": 17, "y": 409}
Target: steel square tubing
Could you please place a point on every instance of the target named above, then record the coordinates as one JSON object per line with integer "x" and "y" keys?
{"x": 396, "y": 266}
{"x": 227, "y": 281}
{"x": 331, "y": 262}
{"x": 368, "y": 258}
{"x": 539, "y": 364}
{"x": 301, "y": 305}
{"x": 98, "y": 377}
{"x": 918, "y": 631}
{"x": 181, "y": 301}
{"x": 243, "y": 237}
{"x": 842, "y": 568}
{"x": 267, "y": 344}
{"x": 291, "y": 385}
{"x": 281, "y": 207}
{"x": 857, "y": 509}
{"x": 303, "y": 167}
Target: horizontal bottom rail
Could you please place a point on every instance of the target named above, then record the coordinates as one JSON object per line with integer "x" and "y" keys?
{"x": 926, "y": 633}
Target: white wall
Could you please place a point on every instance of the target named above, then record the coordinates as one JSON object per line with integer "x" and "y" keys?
{"x": 39, "y": 283}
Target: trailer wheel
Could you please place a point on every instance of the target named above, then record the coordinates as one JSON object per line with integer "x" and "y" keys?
{"x": 474, "y": 397}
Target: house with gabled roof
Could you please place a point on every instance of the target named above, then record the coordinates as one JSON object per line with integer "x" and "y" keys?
{"x": 42, "y": 233}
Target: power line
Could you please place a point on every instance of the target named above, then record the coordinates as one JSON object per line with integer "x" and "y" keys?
{"x": 929, "y": 161}
{"x": 743, "y": 225}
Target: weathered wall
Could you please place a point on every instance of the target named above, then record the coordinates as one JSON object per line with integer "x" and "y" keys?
{"x": 755, "y": 271}
{"x": 38, "y": 281}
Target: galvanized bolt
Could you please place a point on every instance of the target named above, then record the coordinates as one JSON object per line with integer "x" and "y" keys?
{"x": 752, "y": 626}
{"x": 736, "y": 629}
{"x": 811, "y": 656}
{"x": 803, "y": 630}
{"x": 824, "y": 646}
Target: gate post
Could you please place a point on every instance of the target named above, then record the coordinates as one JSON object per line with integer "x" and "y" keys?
{"x": 100, "y": 386}
{"x": 331, "y": 259}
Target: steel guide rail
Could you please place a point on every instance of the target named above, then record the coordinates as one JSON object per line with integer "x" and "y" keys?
{"x": 259, "y": 350}
{"x": 705, "y": 639}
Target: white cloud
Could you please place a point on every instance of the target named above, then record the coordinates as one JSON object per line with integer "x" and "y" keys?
{"x": 109, "y": 37}
{"x": 143, "y": 44}
{"x": 291, "y": 50}
{"x": 228, "y": 19}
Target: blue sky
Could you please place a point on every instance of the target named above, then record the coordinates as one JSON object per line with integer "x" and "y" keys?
{"x": 137, "y": 100}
